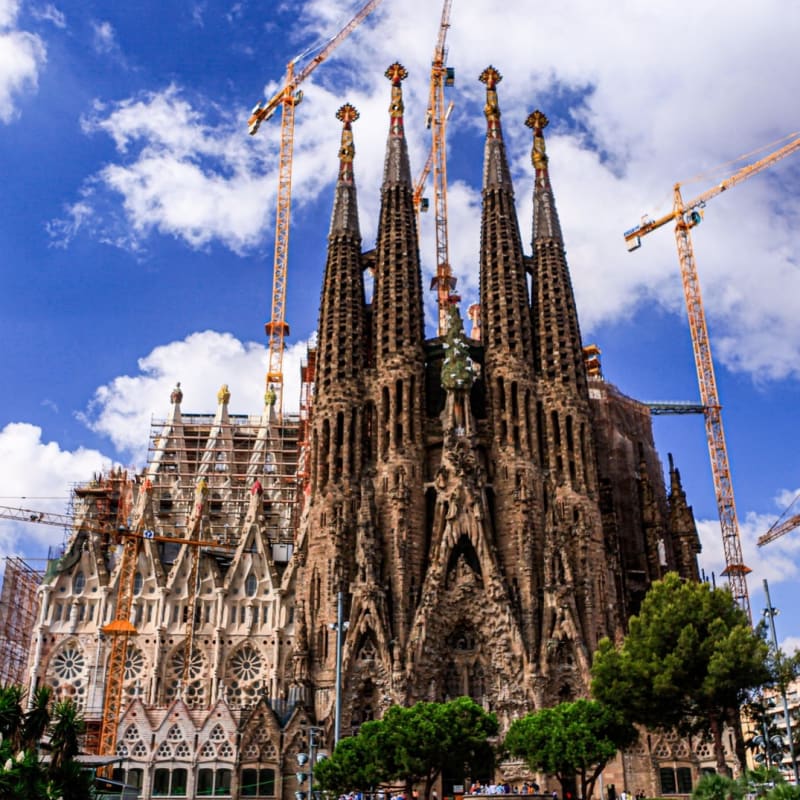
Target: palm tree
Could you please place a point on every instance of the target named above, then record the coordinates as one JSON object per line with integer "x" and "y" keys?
{"x": 37, "y": 717}
{"x": 67, "y": 728}
{"x": 11, "y": 714}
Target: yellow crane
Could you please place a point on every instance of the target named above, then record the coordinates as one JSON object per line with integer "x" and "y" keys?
{"x": 121, "y": 629}
{"x": 288, "y": 97}
{"x": 422, "y": 203}
{"x": 686, "y": 215}
{"x": 779, "y": 529}
{"x": 436, "y": 120}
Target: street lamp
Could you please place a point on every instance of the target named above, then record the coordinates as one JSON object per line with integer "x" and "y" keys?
{"x": 313, "y": 756}
{"x": 340, "y": 627}
{"x": 771, "y": 613}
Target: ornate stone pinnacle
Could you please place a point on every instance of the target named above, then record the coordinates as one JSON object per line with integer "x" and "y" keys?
{"x": 396, "y": 73}
{"x": 177, "y": 394}
{"x": 223, "y": 395}
{"x": 347, "y": 114}
{"x": 537, "y": 120}
{"x": 491, "y": 77}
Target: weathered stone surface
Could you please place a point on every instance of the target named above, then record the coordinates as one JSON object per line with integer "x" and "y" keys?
{"x": 486, "y": 511}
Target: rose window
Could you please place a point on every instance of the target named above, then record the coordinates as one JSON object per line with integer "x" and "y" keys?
{"x": 193, "y": 691}
{"x": 246, "y": 663}
{"x": 195, "y": 663}
{"x": 69, "y": 663}
{"x": 134, "y": 663}
{"x": 66, "y": 674}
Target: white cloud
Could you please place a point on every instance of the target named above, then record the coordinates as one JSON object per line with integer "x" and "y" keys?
{"x": 777, "y": 562}
{"x": 38, "y": 475}
{"x": 50, "y": 13}
{"x": 628, "y": 119}
{"x": 105, "y": 38}
{"x": 123, "y": 408}
{"x": 22, "y": 55}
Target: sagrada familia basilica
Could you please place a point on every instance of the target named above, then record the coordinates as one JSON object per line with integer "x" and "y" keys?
{"x": 460, "y": 515}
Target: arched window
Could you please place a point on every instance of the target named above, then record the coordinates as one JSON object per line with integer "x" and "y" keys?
{"x": 250, "y": 585}
{"x": 138, "y": 582}
{"x": 78, "y": 582}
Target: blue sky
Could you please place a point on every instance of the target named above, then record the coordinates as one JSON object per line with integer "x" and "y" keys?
{"x": 137, "y": 215}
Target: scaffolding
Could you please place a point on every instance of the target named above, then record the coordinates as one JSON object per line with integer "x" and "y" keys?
{"x": 174, "y": 472}
{"x": 19, "y": 606}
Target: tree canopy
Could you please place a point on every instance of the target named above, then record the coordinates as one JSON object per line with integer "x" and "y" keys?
{"x": 22, "y": 773}
{"x": 571, "y": 740}
{"x": 687, "y": 662}
{"x": 412, "y": 745}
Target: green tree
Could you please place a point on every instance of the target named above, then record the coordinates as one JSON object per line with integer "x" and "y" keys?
{"x": 718, "y": 787}
{"x": 37, "y": 717}
{"x": 413, "y": 745}
{"x": 687, "y": 663}
{"x": 571, "y": 740}
{"x": 356, "y": 763}
{"x": 22, "y": 773}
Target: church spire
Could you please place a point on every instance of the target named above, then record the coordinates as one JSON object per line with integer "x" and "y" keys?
{"x": 345, "y": 210}
{"x": 396, "y": 167}
{"x": 397, "y": 302}
{"x": 558, "y": 354}
{"x": 545, "y": 216}
{"x": 504, "y": 291}
{"x": 342, "y": 321}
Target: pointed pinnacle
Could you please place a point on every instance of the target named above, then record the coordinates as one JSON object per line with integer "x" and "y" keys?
{"x": 396, "y": 73}
{"x": 537, "y": 121}
{"x": 347, "y": 114}
{"x": 491, "y": 77}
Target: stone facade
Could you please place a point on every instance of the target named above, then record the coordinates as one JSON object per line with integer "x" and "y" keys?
{"x": 483, "y": 510}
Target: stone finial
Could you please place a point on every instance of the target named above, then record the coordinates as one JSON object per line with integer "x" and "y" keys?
{"x": 537, "y": 121}
{"x": 397, "y": 73}
{"x": 491, "y": 77}
{"x": 347, "y": 115}
{"x": 270, "y": 397}
{"x": 223, "y": 395}
{"x": 176, "y": 395}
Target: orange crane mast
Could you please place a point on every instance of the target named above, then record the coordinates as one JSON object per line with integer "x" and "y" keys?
{"x": 421, "y": 203}
{"x": 120, "y": 629}
{"x": 441, "y": 76}
{"x": 686, "y": 216}
{"x": 287, "y": 97}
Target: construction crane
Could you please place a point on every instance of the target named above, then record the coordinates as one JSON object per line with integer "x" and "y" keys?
{"x": 779, "y": 529}
{"x": 120, "y": 629}
{"x": 436, "y": 119}
{"x": 422, "y": 203}
{"x": 288, "y": 97}
{"x": 686, "y": 216}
